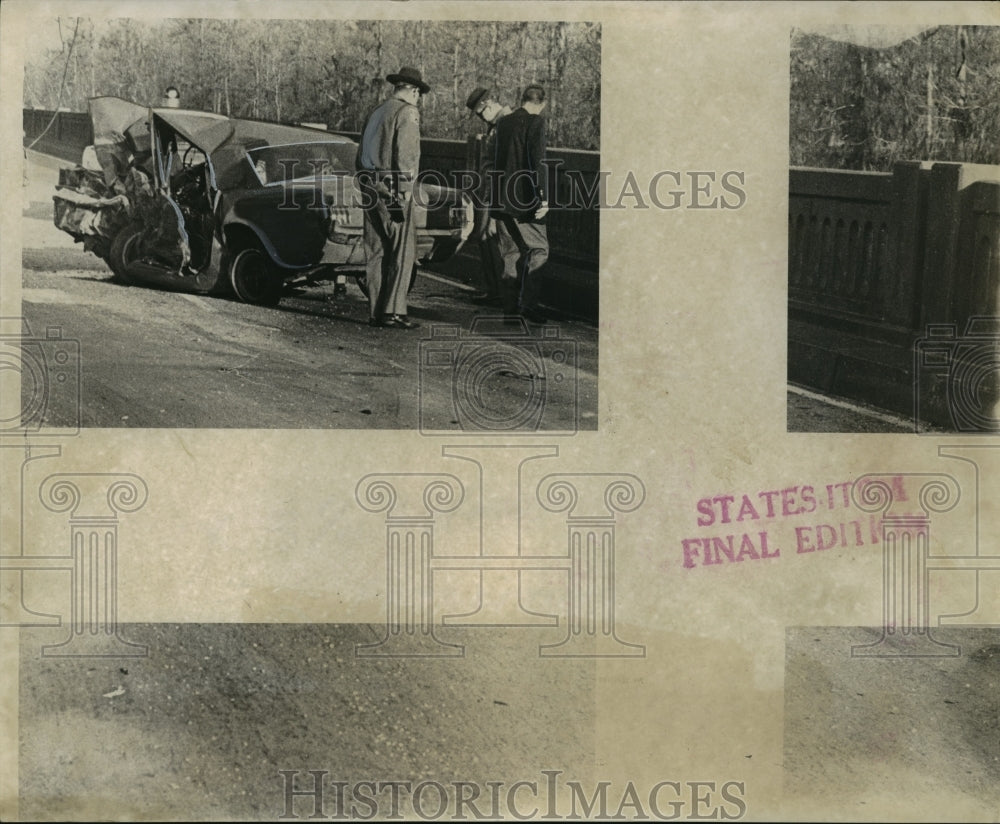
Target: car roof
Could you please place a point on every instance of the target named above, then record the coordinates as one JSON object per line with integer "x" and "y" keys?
{"x": 115, "y": 115}
{"x": 209, "y": 131}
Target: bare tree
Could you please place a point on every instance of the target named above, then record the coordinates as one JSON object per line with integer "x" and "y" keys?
{"x": 331, "y": 71}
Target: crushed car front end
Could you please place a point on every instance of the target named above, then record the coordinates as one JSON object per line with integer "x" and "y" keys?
{"x": 201, "y": 202}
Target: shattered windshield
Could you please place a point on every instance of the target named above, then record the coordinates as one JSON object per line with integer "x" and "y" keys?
{"x": 298, "y": 161}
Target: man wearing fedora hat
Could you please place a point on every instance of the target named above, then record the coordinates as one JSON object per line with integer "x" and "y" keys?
{"x": 388, "y": 161}
{"x": 485, "y": 106}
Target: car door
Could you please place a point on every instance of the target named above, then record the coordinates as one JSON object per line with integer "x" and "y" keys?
{"x": 282, "y": 199}
{"x": 290, "y": 220}
{"x": 179, "y": 232}
{"x": 165, "y": 238}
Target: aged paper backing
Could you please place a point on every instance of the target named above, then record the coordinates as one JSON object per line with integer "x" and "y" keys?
{"x": 263, "y": 526}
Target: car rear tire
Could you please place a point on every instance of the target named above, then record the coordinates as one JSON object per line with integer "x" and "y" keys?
{"x": 254, "y": 277}
{"x": 125, "y": 250}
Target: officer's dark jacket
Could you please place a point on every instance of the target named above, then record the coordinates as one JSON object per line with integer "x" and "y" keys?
{"x": 520, "y": 142}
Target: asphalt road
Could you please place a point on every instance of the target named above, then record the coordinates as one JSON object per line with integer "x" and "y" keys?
{"x": 151, "y": 358}
{"x": 199, "y": 729}
{"x": 887, "y": 739}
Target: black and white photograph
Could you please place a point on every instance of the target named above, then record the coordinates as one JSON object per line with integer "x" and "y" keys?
{"x": 314, "y": 223}
{"x": 530, "y": 410}
{"x": 894, "y": 229}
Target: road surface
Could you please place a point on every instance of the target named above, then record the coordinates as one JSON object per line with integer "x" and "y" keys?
{"x": 151, "y": 358}
{"x": 200, "y": 728}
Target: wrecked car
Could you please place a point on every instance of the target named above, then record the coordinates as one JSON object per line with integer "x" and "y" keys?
{"x": 200, "y": 202}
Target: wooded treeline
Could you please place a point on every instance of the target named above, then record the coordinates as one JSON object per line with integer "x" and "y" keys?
{"x": 935, "y": 96}
{"x": 327, "y": 71}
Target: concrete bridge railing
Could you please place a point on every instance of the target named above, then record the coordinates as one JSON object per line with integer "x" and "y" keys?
{"x": 894, "y": 288}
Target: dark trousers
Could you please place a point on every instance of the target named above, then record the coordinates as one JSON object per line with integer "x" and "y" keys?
{"x": 524, "y": 247}
{"x": 390, "y": 242}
